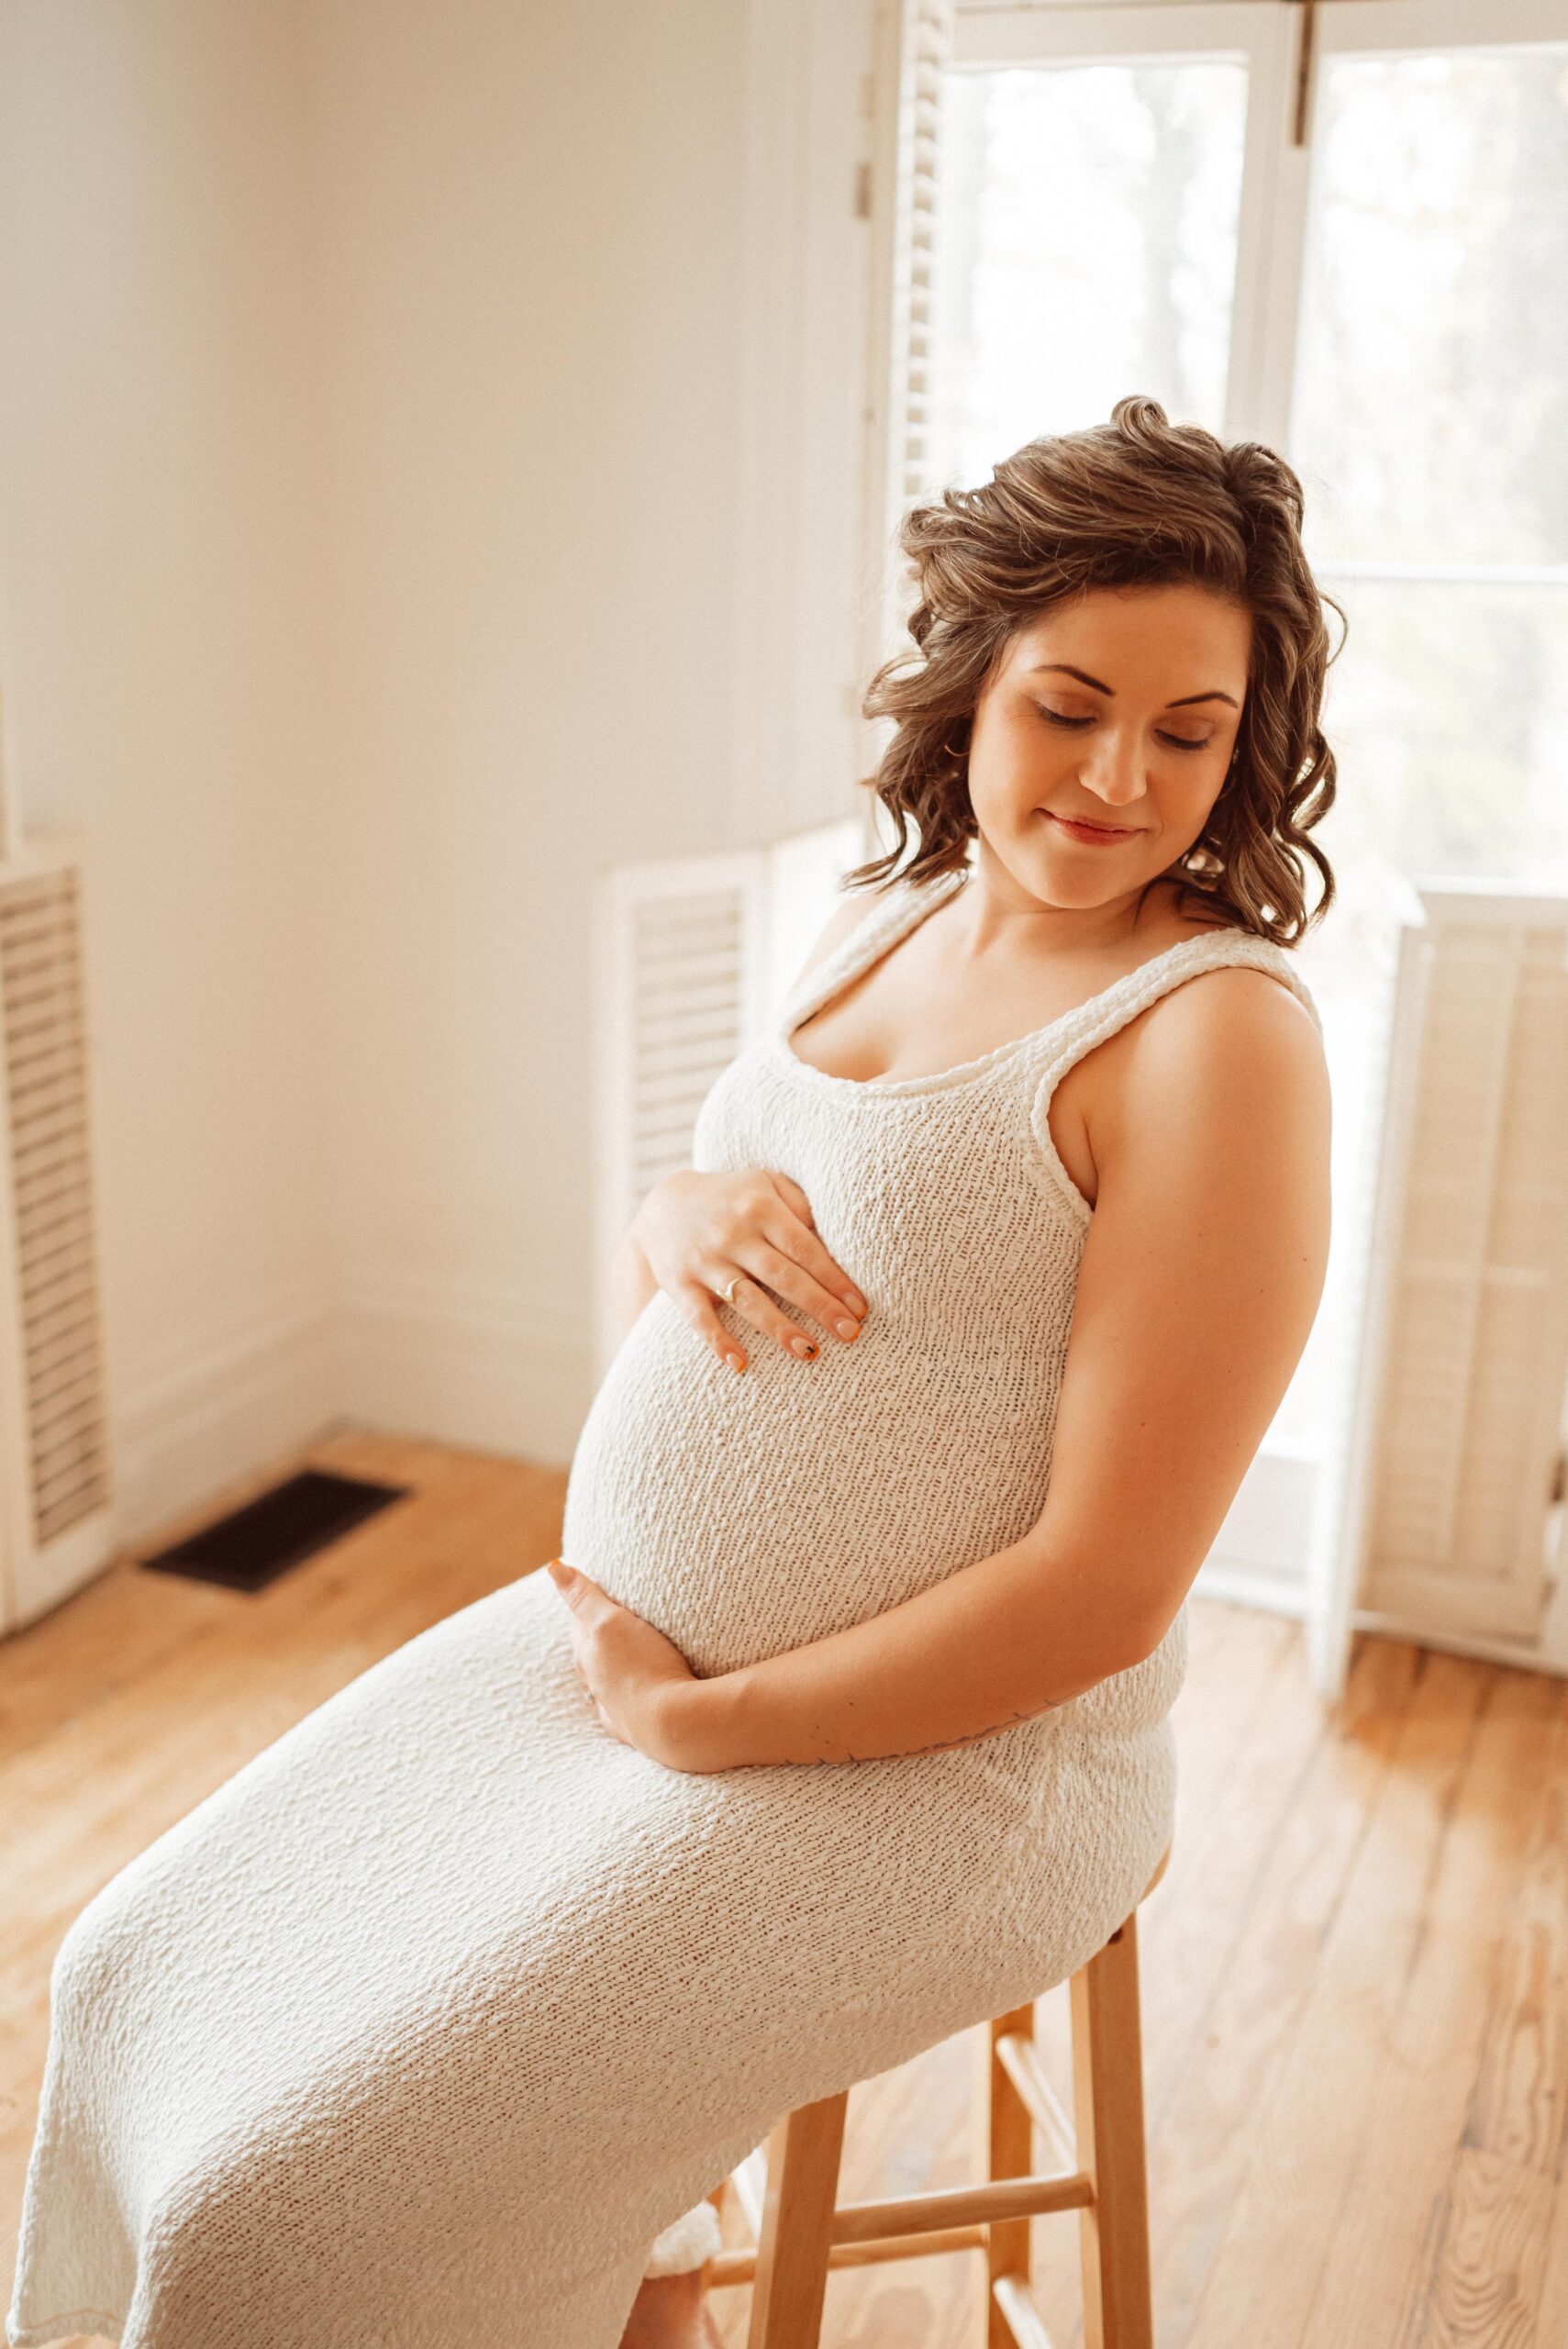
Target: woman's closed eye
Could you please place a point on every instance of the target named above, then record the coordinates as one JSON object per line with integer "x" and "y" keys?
{"x": 1076, "y": 725}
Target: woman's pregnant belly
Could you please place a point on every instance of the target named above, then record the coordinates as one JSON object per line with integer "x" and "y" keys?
{"x": 747, "y": 1513}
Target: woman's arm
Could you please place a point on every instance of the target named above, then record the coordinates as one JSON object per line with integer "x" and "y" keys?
{"x": 1200, "y": 1278}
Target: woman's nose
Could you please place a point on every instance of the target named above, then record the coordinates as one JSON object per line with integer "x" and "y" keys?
{"x": 1114, "y": 769}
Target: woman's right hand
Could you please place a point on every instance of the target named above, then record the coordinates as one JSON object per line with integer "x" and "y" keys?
{"x": 698, "y": 1231}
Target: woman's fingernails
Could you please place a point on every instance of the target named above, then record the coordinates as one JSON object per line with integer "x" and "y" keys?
{"x": 848, "y": 1328}
{"x": 736, "y": 1362}
{"x": 803, "y": 1347}
{"x": 855, "y": 1302}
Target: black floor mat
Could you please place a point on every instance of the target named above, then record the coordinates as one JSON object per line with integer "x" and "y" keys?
{"x": 252, "y": 1546}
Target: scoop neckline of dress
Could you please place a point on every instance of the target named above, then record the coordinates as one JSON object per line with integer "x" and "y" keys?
{"x": 961, "y": 1072}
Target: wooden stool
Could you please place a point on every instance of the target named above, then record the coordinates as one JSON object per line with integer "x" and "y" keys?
{"x": 788, "y": 2190}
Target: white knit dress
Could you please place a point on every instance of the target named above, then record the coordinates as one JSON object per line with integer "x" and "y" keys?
{"x": 420, "y": 2029}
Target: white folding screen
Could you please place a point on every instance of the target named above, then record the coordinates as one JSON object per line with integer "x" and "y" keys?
{"x": 692, "y": 953}
{"x": 1450, "y": 1518}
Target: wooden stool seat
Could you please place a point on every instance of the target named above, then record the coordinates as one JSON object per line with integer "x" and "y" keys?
{"x": 788, "y": 2190}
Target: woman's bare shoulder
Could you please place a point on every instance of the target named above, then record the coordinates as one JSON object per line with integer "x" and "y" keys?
{"x": 1233, "y": 1044}
{"x": 1238, "y": 1003}
{"x": 1229, "y": 1051}
{"x": 1220, "y": 1100}
{"x": 1238, "y": 1008}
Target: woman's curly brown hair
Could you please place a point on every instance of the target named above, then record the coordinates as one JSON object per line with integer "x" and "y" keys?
{"x": 1135, "y": 503}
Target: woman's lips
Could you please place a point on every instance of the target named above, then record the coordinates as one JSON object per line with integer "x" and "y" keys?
{"x": 1101, "y": 835}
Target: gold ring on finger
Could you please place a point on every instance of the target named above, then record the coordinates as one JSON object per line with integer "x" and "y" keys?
{"x": 728, "y": 1292}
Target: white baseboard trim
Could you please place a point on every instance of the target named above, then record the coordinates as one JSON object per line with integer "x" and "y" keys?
{"x": 464, "y": 1364}
{"x": 455, "y": 1362}
{"x": 1524, "y": 1655}
{"x": 242, "y": 1397}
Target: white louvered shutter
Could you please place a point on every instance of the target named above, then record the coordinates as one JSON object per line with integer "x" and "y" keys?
{"x": 1467, "y": 1314}
{"x": 693, "y": 953}
{"x": 54, "y": 1446}
{"x": 914, "y": 49}
{"x": 681, "y": 959}
{"x": 927, "y": 29}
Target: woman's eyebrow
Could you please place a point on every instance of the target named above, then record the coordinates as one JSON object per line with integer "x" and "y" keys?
{"x": 1068, "y": 671}
{"x": 1065, "y": 669}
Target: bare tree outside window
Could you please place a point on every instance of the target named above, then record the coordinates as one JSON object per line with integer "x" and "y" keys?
{"x": 1086, "y": 247}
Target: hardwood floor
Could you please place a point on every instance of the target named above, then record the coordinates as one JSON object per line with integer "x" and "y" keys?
{"x": 1355, "y": 1971}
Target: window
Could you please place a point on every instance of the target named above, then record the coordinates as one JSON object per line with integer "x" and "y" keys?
{"x": 1342, "y": 230}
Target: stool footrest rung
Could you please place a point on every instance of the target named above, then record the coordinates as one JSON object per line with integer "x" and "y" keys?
{"x": 999, "y": 2198}
{"x": 741, "y": 2266}
{"x": 949, "y": 2217}
{"x": 1016, "y": 2302}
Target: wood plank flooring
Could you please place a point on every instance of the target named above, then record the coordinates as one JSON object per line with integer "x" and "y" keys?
{"x": 1355, "y": 1971}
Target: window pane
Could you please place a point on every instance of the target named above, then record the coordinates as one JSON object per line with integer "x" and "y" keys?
{"x": 1085, "y": 248}
{"x": 1432, "y": 402}
{"x": 1448, "y": 715}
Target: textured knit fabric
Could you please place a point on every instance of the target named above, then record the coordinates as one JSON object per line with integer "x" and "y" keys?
{"x": 431, "y": 2024}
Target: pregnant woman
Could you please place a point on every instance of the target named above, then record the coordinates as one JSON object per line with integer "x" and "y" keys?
{"x": 844, "y": 1724}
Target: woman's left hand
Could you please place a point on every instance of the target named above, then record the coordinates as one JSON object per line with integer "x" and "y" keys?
{"x": 631, "y": 1670}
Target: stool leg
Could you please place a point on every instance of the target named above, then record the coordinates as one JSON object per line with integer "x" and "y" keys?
{"x": 1011, "y": 2156}
{"x": 797, "y": 2226}
{"x": 1107, "y": 2094}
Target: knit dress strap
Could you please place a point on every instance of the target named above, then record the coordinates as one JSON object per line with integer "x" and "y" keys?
{"x": 897, "y": 908}
{"x": 1065, "y": 1043}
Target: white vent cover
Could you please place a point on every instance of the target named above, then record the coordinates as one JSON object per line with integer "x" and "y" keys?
{"x": 1468, "y": 1309}
{"x": 54, "y": 1458}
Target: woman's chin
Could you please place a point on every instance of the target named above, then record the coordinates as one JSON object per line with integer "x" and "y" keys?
{"x": 1077, "y": 882}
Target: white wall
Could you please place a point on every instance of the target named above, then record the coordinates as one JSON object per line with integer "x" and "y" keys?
{"x": 529, "y": 285}
{"x": 157, "y": 650}
{"x": 380, "y": 529}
